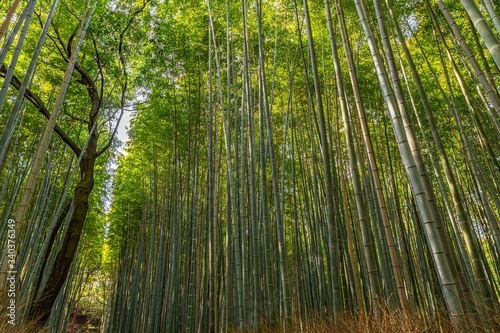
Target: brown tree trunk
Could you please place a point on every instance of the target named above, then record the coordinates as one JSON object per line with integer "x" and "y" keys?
{"x": 42, "y": 306}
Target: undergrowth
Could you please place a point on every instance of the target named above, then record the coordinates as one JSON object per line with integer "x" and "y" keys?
{"x": 383, "y": 322}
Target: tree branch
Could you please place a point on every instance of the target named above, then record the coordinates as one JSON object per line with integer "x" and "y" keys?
{"x": 63, "y": 45}
{"x": 124, "y": 73}
{"x": 99, "y": 63}
{"x": 110, "y": 141}
{"x": 37, "y": 102}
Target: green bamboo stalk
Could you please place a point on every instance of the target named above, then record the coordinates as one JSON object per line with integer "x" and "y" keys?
{"x": 434, "y": 238}
{"x": 490, "y": 39}
{"x": 35, "y": 169}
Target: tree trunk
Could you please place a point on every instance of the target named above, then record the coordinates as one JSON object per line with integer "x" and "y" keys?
{"x": 42, "y": 306}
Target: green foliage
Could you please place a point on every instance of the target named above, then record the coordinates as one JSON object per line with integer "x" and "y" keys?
{"x": 150, "y": 256}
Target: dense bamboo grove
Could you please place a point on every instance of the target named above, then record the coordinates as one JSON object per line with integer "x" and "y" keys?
{"x": 290, "y": 164}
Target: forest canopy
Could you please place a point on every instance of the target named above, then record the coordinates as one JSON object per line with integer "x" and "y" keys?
{"x": 287, "y": 164}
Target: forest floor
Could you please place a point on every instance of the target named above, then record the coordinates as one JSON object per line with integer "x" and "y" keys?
{"x": 385, "y": 322}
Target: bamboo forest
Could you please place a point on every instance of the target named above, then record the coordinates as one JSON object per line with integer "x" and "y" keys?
{"x": 249, "y": 166}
